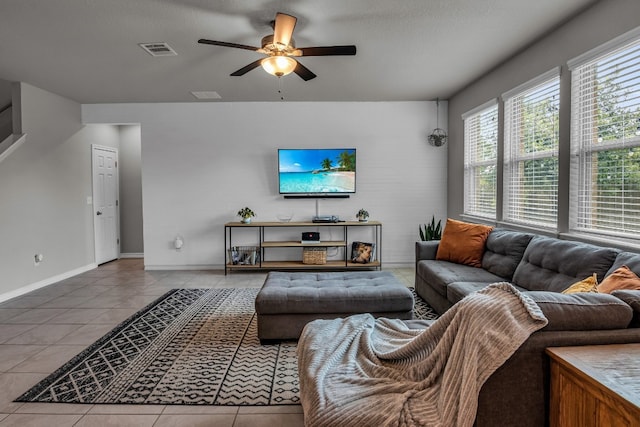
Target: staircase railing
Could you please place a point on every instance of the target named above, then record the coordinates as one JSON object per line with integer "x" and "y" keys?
{"x": 9, "y": 141}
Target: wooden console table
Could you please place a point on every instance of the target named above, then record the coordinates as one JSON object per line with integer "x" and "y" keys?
{"x": 595, "y": 386}
{"x": 263, "y": 243}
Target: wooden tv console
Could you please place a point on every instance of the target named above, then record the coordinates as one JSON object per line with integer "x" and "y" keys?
{"x": 265, "y": 245}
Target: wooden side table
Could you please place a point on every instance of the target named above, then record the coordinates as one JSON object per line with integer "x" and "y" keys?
{"x": 595, "y": 386}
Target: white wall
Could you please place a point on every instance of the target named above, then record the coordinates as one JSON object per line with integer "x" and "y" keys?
{"x": 201, "y": 162}
{"x": 130, "y": 169}
{"x": 595, "y": 26}
{"x": 43, "y": 189}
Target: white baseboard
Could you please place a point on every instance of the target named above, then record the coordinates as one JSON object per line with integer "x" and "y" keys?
{"x": 46, "y": 282}
{"x": 391, "y": 264}
{"x": 132, "y": 255}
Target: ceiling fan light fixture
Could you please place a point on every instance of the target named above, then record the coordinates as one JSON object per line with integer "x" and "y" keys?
{"x": 279, "y": 49}
{"x": 279, "y": 65}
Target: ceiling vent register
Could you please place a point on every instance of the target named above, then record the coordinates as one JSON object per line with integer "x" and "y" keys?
{"x": 158, "y": 49}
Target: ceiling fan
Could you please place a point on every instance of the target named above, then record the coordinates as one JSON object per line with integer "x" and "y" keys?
{"x": 280, "y": 49}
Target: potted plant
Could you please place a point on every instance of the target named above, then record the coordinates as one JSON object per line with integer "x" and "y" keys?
{"x": 362, "y": 215}
{"x": 246, "y": 214}
{"x": 431, "y": 231}
{"x": 437, "y": 139}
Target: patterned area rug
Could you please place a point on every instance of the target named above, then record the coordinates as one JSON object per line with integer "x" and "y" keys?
{"x": 190, "y": 347}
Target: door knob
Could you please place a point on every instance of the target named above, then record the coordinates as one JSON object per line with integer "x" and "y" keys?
{"x": 98, "y": 213}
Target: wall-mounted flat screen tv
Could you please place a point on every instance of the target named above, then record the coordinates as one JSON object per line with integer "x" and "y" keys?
{"x": 322, "y": 171}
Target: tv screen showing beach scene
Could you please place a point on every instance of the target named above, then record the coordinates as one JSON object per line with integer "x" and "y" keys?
{"x": 316, "y": 171}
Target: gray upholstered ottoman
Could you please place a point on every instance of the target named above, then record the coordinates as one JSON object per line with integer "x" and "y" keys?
{"x": 288, "y": 301}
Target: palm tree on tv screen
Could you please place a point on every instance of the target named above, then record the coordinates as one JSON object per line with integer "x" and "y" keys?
{"x": 347, "y": 161}
{"x": 327, "y": 164}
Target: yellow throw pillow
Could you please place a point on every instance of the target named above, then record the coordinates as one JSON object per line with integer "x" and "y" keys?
{"x": 622, "y": 278}
{"x": 463, "y": 242}
{"x": 590, "y": 284}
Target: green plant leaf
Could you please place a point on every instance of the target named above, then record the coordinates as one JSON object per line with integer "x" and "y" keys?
{"x": 431, "y": 230}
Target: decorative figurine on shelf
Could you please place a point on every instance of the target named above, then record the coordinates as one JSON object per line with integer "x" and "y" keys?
{"x": 246, "y": 214}
{"x": 362, "y": 215}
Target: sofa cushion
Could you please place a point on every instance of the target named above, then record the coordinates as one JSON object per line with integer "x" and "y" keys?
{"x": 458, "y": 290}
{"x": 463, "y": 242}
{"x": 439, "y": 274}
{"x": 582, "y": 311}
{"x": 590, "y": 284}
{"x": 622, "y": 278}
{"x": 503, "y": 252}
{"x": 630, "y": 259}
{"x": 553, "y": 265}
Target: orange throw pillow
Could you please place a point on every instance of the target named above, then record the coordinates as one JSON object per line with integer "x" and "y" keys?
{"x": 622, "y": 278}
{"x": 463, "y": 242}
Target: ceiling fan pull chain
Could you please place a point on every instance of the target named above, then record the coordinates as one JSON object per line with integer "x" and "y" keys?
{"x": 280, "y": 88}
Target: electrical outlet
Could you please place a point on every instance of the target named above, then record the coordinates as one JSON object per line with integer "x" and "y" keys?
{"x": 178, "y": 243}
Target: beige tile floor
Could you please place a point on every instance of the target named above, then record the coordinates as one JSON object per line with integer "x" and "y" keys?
{"x": 41, "y": 330}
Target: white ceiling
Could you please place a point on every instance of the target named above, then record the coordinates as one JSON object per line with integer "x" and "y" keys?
{"x": 87, "y": 50}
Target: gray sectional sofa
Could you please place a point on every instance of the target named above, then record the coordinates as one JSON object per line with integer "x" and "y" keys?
{"x": 517, "y": 394}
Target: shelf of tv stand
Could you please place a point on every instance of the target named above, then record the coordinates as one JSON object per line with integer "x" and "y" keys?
{"x": 304, "y": 224}
{"x": 299, "y": 265}
{"x": 299, "y": 244}
{"x": 341, "y": 264}
{"x": 331, "y": 264}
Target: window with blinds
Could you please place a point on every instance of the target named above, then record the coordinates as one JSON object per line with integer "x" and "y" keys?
{"x": 531, "y": 138}
{"x": 605, "y": 140}
{"x": 480, "y": 160}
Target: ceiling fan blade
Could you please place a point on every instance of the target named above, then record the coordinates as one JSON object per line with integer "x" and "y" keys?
{"x": 244, "y": 70}
{"x": 227, "y": 44}
{"x": 327, "y": 50}
{"x": 283, "y": 29}
{"x": 304, "y": 73}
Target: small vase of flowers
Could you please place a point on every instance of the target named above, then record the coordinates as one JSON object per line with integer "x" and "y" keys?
{"x": 362, "y": 215}
{"x": 245, "y": 215}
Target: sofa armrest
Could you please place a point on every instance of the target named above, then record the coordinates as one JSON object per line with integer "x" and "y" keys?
{"x": 426, "y": 249}
{"x": 631, "y": 297}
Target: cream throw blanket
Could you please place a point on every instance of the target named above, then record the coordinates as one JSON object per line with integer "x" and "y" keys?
{"x": 360, "y": 371}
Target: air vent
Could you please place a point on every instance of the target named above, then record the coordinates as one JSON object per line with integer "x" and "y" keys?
{"x": 206, "y": 94}
{"x": 158, "y": 49}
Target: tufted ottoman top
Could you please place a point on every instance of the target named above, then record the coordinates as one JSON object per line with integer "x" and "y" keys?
{"x": 336, "y": 292}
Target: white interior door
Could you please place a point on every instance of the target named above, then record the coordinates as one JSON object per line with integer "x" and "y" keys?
{"x": 105, "y": 203}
